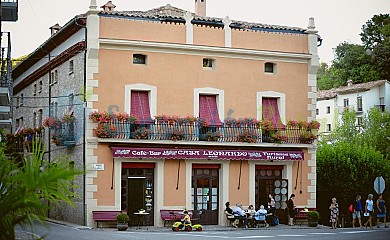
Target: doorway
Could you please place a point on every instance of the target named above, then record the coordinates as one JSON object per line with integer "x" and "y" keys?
{"x": 269, "y": 180}
{"x": 204, "y": 193}
{"x": 137, "y": 191}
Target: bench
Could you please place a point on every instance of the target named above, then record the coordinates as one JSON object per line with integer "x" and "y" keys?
{"x": 170, "y": 215}
{"x": 104, "y": 216}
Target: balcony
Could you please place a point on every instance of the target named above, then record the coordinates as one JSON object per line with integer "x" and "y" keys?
{"x": 9, "y": 10}
{"x": 198, "y": 132}
{"x": 64, "y": 135}
{"x": 22, "y": 140}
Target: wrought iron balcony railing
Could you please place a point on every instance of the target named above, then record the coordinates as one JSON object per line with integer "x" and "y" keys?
{"x": 250, "y": 133}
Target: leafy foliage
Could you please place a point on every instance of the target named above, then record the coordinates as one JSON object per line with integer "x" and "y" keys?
{"x": 376, "y": 30}
{"x": 349, "y": 161}
{"x": 24, "y": 186}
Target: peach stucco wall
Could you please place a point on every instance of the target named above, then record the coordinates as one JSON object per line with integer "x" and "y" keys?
{"x": 105, "y": 195}
{"x": 155, "y": 31}
{"x": 239, "y": 195}
{"x": 283, "y": 42}
{"x": 304, "y": 169}
{"x": 173, "y": 197}
{"x": 126, "y": 29}
{"x": 209, "y": 36}
{"x": 240, "y": 80}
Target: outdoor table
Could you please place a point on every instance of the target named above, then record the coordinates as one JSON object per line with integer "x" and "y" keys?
{"x": 141, "y": 216}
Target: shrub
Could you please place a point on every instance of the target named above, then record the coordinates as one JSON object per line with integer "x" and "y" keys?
{"x": 313, "y": 216}
{"x": 122, "y": 218}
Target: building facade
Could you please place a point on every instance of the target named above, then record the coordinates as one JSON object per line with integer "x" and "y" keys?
{"x": 359, "y": 97}
{"x": 180, "y": 111}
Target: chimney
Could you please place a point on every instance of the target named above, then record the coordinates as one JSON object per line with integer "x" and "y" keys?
{"x": 349, "y": 82}
{"x": 108, "y": 7}
{"x": 54, "y": 29}
{"x": 200, "y": 7}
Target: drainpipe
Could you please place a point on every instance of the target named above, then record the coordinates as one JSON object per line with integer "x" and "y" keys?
{"x": 84, "y": 123}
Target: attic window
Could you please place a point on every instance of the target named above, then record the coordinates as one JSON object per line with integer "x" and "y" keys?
{"x": 139, "y": 59}
{"x": 208, "y": 63}
{"x": 269, "y": 67}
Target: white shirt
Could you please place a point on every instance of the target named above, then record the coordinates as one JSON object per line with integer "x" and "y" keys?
{"x": 370, "y": 205}
{"x": 238, "y": 212}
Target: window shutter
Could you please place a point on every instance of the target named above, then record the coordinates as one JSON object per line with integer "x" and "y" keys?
{"x": 208, "y": 109}
{"x": 140, "y": 106}
{"x": 271, "y": 111}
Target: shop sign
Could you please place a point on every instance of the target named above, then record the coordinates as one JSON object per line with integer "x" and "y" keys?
{"x": 125, "y": 152}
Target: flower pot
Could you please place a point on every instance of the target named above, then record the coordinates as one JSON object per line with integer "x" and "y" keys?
{"x": 122, "y": 226}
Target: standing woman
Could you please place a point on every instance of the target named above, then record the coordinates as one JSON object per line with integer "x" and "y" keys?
{"x": 334, "y": 213}
{"x": 291, "y": 209}
{"x": 271, "y": 209}
{"x": 380, "y": 204}
{"x": 369, "y": 209}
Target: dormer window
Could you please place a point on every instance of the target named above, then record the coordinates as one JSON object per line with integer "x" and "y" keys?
{"x": 269, "y": 67}
{"x": 208, "y": 63}
{"x": 139, "y": 59}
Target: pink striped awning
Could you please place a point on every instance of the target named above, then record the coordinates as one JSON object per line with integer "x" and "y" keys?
{"x": 174, "y": 153}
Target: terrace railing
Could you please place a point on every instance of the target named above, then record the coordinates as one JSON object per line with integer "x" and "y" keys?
{"x": 250, "y": 133}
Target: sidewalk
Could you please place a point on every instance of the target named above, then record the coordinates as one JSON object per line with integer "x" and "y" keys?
{"x": 23, "y": 235}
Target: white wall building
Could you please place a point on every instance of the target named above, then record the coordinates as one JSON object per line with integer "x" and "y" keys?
{"x": 360, "y": 97}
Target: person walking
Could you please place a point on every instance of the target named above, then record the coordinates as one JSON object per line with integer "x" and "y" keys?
{"x": 334, "y": 213}
{"x": 369, "y": 210}
{"x": 291, "y": 209}
{"x": 357, "y": 210}
{"x": 380, "y": 205}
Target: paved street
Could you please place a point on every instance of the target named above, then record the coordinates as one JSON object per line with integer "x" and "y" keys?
{"x": 62, "y": 232}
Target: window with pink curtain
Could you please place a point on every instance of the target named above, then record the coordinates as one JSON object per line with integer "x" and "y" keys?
{"x": 140, "y": 106}
{"x": 271, "y": 111}
{"x": 208, "y": 109}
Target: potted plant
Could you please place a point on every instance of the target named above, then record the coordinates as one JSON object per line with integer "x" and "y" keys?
{"x": 122, "y": 221}
{"x": 247, "y": 136}
{"x": 312, "y": 218}
{"x": 307, "y": 138}
{"x": 141, "y": 133}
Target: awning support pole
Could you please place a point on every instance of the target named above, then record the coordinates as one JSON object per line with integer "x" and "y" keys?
{"x": 178, "y": 176}
{"x": 112, "y": 174}
{"x": 239, "y": 176}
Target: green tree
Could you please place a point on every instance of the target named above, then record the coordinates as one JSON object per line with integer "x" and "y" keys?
{"x": 350, "y": 159}
{"x": 376, "y": 30}
{"x": 326, "y": 79}
{"x": 23, "y": 186}
{"x": 376, "y": 37}
{"x": 353, "y": 62}
{"x": 376, "y": 131}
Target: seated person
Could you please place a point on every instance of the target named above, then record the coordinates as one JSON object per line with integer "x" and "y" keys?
{"x": 250, "y": 213}
{"x": 186, "y": 218}
{"x": 261, "y": 215}
{"x": 240, "y": 214}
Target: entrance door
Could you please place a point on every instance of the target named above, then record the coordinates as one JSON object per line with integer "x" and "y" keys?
{"x": 205, "y": 194}
{"x": 137, "y": 191}
{"x": 269, "y": 180}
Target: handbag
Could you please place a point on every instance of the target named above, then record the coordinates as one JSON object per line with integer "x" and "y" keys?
{"x": 350, "y": 208}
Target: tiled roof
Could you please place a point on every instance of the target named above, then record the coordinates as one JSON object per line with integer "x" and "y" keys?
{"x": 171, "y": 12}
{"x": 361, "y": 87}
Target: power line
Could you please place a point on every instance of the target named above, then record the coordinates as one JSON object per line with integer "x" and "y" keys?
{"x": 46, "y": 106}
{"x": 63, "y": 96}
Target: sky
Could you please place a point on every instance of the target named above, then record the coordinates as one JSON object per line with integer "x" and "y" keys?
{"x": 336, "y": 20}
